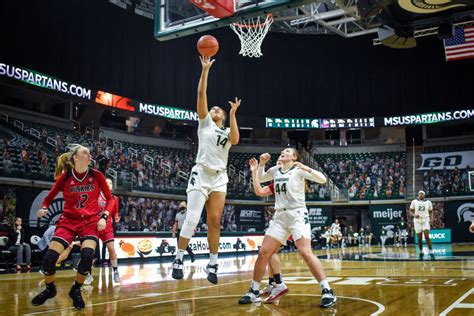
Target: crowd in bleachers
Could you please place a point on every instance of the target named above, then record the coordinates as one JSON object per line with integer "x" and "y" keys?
{"x": 446, "y": 182}
{"x": 148, "y": 214}
{"x": 138, "y": 167}
{"x": 165, "y": 170}
{"x": 367, "y": 175}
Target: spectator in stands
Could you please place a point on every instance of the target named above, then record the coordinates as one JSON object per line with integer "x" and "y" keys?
{"x": 16, "y": 241}
{"x": 25, "y": 159}
{"x": 59, "y": 142}
{"x": 7, "y": 163}
{"x": 44, "y": 134}
{"x": 369, "y": 235}
{"x": 351, "y": 238}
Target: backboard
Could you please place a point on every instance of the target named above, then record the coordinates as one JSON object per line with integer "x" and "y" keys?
{"x": 177, "y": 18}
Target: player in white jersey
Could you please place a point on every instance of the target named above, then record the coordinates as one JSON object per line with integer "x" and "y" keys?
{"x": 275, "y": 289}
{"x": 422, "y": 211}
{"x": 335, "y": 232}
{"x": 208, "y": 179}
{"x": 291, "y": 218}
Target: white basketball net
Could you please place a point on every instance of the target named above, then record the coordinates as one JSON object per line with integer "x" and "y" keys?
{"x": 251, "y": 34}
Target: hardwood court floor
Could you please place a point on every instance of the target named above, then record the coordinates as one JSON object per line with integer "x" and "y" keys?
{"x": 387, "y": 281}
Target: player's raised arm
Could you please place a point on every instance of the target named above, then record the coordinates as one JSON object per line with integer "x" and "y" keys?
{"x": 202, "y": 109}
{"x": 263, "y": 176}
{"x": 258, "y": 189}
{"x": 311, "y": 174}
{"x": 234, "y": 135}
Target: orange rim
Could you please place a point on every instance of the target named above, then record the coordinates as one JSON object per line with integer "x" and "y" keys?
{"x": 253, "y": 26}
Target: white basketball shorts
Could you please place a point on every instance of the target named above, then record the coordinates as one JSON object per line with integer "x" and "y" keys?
{"x": 421, "y": 225}
{"x": 207, "y": 180}
{"x": 291, "y": 222}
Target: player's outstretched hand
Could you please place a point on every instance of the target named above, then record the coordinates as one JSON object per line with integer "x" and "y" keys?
{"x": 471, "y": 228}
{"x": 234, "y": 105}
{"x": 206, "y": 62}
{"x": 253, "y": 164}
{"x": 264, "y": 158}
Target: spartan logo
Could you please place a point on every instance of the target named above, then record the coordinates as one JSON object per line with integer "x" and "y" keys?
{"x": 193, "y": 178}
{"x": 54, "y": 211}
{"x": 429, "y": 7}
{"x": 466, "y": 212}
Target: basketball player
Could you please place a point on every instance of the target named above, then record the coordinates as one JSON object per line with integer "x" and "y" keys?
{"x": 422, "y": 211}
{"x": 383, "y": 235}
{"x": 81, "y": 187}
{"x": 107, "y": 235}
{"x": 208, "y": 180}
{"x": 275, "y": 289}
{"x": 403, "y": 231}
{"x": 335, "y": 232}
{"x": 178, "y": 224}
{"x": 291, "y": 218}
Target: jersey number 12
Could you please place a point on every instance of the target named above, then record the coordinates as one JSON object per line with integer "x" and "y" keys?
{"x": 81, "y": 201}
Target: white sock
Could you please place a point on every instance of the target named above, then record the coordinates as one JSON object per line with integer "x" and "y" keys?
{"x": 431, "y": 251}
{"x": 213, "y": 258}
{"x": 180, "y": 254}
{"x": 255, "y": 286}
{"x": 324, "y": 284}
{"x": 114, "y": 263}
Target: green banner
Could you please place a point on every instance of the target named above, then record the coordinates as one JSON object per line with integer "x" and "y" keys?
{"x": 387, "y": 215}
{"x": 458, "y": 217}
{"x": 437, "y": 236}
{"x": 320, "y": 216}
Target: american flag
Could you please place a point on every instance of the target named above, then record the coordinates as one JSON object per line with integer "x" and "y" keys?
{"x": 461, "y": 45}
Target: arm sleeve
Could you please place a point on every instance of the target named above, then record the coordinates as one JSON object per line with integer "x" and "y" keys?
{"x": 57, "y": 187}
{"x": 271, "y": 186}
{"x": 314, "y": 175}
{"x": 114, "y": 213}
{"x": 116, "y": 199}
{"x": 205, "y": 122}
{"x": 263, "y": 176}
{"x": 106, "y": 191}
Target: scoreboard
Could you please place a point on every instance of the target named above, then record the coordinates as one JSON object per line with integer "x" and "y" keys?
{"x": 304, "y": 123}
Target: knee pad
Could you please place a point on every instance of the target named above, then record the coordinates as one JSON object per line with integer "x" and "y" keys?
{"x": 85, "y": 265}
{"x": 187, "y": 231}
{"x": 49, "y": 262}
{"x": 196, "y": 201}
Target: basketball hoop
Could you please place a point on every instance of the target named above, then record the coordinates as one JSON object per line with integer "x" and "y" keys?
{"x": 251, "y": 33}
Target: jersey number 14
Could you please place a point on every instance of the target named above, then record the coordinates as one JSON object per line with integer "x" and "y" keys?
{"x": 221, "y": 142}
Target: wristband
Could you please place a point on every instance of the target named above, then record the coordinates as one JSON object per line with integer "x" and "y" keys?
{"x": 104, "y": 216}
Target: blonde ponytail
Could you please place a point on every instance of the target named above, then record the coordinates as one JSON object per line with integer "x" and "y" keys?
{"x": 66, "y": 161}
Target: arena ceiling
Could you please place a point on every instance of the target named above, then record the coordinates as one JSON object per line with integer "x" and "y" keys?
{"x": 407, "y": 19}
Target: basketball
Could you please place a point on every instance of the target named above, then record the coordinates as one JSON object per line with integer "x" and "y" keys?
{"x": 208, "y": 46}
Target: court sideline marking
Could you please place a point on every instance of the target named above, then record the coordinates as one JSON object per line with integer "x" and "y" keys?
{"x": 380, "y": 307}
{"x": 138, "y": 297}
{"x": 458, "y": 304}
